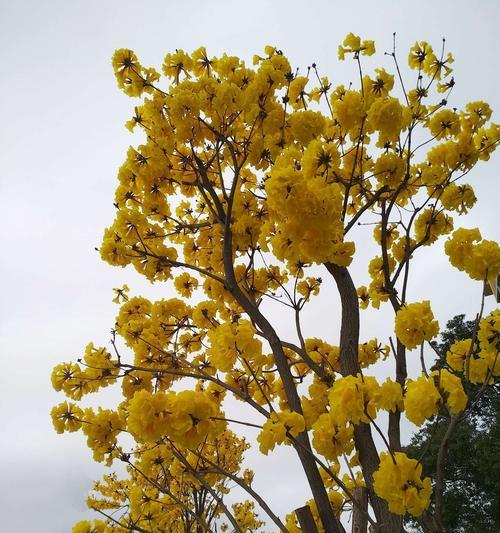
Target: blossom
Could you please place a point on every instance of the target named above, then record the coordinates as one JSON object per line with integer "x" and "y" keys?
{"x": 352, "y": 399}
{"x": 388, "y": 117}
{"x": 85, "y": 526}
{"x": 149, "y": 415}
{"x": 276, "y": 428}
{"x": 186, "y": 284}
{"x": 67, "y": 417}
{"x": 331, "y": 437}
{"x": 430, "y": 225}
{"x": 454, "y": 394}
{"x": 480, "y": 260}
{"x": 398, "y": 480}
{"x": 390, "y": 396}
{"x": 458, "y": 353}
{"x": 415, "y": 323}
{"x": 422, "y": 400}
{"x": 353, "y": 45}
{"x": 245, "y": 181}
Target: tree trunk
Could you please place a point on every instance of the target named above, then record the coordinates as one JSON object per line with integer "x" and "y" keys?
{"x": 349, "y": 365}
{"x": 306, "y": 520}
{"x": 359, "y": 519}
{"x": 329, "y": 521}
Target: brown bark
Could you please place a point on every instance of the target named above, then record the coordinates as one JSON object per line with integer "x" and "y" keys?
{"x": 349, "y": 365}
{"x": 303, "y": 448}
{"x": 306, "y": 520}
{"x": 395, "y": 418}
{"x": 360, "y": 519}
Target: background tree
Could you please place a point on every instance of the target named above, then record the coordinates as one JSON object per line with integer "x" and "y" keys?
{"x": 248, "y": 181}
{"x": 472, "y": 492}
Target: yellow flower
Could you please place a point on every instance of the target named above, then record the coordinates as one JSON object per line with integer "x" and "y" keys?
{"x": 479, "y": 370}
{"x": 121, "y": 294}
{"x": 484, "y": 261}
{"x": 96, "y": 526}
{"x": 149, "y": 415}
{"x": 458, "y": 197}
{"x": 458, "y": 353}
{"x": 391, "y": 234}
{"x": 296, "y": 92}
{"x": 419, "y": 53}
{"x": 389, "y": 170}
{"x": 202, "y": 65}
{"x": 67, "y": 417}
{"x": 321, "y": 159}
{"x": 193, "y": 419}
{"x": 430, "y": 225}
{"x": 352, "y": 399}
{"x": 309, "y": 286}
{"x": 349, "y": 111}
{"x": 402, "y": 247}
{"x": 332, "y": 438}
{"x": 454, "y": 394}
{"x": 415, "y": 323}
{"x": 246, "y": 517}
{"x": 459, "y": 246}
{"x": 230, "y": 341}
{"x": 390, "y": 396}
{"x": 444, "y": 123}
{"x": 363, "y": 296}
{"x": 176, "y": 64}
{"x": 422, "y": 400}
{"x": 63, "y": 374}
{"x": 353, "y": 45}
{"x": 307, "y": 214}
{"x": 102, "y": 429}
{"x": 438, "y": 68}
{"x": 323, "y": 353}
{"x": 135, "y": 381}
{"x": 480, "y": 261}
{"x": 399, "y": 482}
{"x": 489, "y": 332}
{"x": 276, "y": 427}
{"x": 306, "y": 125}
{"x": 370, "y": 352}
{"x": 389, "y": 118}
{"x": 186, "y": 284}
{"x": 381, "y": 85}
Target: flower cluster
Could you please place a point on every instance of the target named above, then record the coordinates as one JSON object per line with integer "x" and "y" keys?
{"x": 277, "y": 427}
{"x": 415, "y": 324}
{"x": 478, "y": 361}
{"x": 352, "y": 399}
{"x": 240, "y": 185}
{"x": 425, "y": 396}
{"x": 399, "y": 481}
{"x": 187, "y": 417}
{"x": 480, "y": 259}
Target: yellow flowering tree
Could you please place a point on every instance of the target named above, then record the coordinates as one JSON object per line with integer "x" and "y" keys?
{"x": 248, "y": 181}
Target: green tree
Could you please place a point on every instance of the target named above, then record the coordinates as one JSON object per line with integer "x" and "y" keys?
{"x": 472, "y": 492}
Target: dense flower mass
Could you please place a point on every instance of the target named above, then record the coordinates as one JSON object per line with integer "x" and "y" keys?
{"x": 415, "y": 324}
{"x": 248, "y": 180}
{"x": 453, "y": 391}
{"x": 278, "y": 427}
{"x": 422, "y": 400}
{"x": 480, "y": 259}
{"x": 352, "y": 399}
{"x": 399, "y": 481}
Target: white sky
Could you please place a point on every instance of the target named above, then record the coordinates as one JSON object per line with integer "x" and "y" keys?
{"x": 62, "y": 140}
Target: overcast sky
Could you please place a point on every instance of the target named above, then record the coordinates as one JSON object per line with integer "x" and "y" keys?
{"x": 61, "y": 142}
